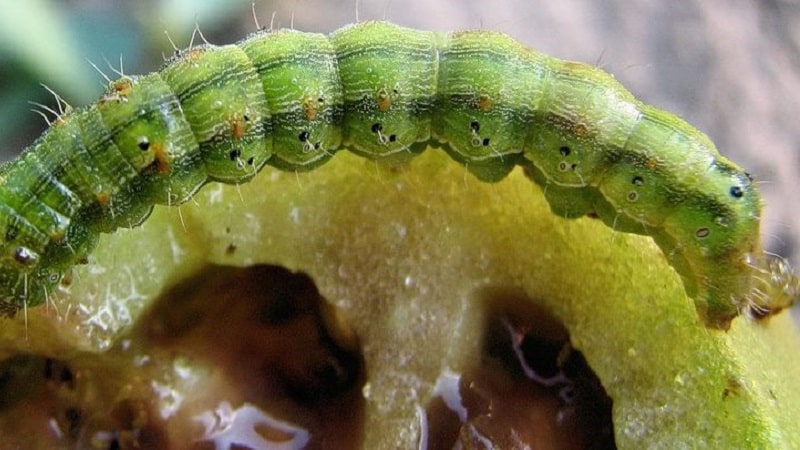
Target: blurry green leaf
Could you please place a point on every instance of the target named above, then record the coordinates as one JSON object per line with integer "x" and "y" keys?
{"x": 36, "y": 33}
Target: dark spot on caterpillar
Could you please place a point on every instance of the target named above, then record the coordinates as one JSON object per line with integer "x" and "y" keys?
{"x": 144, "y": 143}
{"x": 246, "y": 118}
{"x": 485, "y": 142}
{"x": 637, "y": 181}
{"x": 565, "y": 166}
{"x": 737, "y": 191}
{"x": 231, "y": 249}
{"x": 702, "y": 233}
{"x": 303, "y": 136}
{"x": 565, "y": 151}
{"x": 24, "y": 256}
{"x": 250, "y": 161}
{"x": 475, "y": 126}
{"x": 317, "y": 145}
{"x": 377, "y": 127}
{"x": 235, "y": 154}
{"x": 392, "y": 137}
{"x": 633, "y": 196}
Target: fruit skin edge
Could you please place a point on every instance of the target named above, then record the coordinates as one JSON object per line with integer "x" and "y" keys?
{"x": 403, "y": 252}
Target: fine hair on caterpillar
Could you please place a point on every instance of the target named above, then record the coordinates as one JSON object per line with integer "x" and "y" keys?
{"x": 291, "y": 99}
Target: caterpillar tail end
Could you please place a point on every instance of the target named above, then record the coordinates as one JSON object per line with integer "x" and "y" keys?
{"x": 771, "y": 287}
{"x": 758, "y": 286}
{"x": 776, "y": 287}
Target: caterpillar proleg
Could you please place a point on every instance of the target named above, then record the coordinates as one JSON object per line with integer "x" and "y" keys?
{"x": 292, "y": 99}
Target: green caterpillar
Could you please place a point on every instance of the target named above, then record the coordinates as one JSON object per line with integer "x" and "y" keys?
{"x": 292, "y": 99}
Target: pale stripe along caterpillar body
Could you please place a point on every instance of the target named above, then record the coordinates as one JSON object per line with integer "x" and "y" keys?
{"x": 292, "y": 99}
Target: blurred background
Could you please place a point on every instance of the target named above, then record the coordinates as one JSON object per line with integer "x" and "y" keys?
{"x": 731, "y": 68}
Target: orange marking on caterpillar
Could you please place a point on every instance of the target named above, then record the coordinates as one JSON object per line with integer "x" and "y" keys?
{"x": 309, "y": 109}
{"x": 485, "y": 102}
{"x": 238, "y": 128}
{"x": 384, "y": 100}
{"x": 161, "y": 159}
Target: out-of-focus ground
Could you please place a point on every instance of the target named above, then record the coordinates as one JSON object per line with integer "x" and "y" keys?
{"x": 732, "y": 69}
